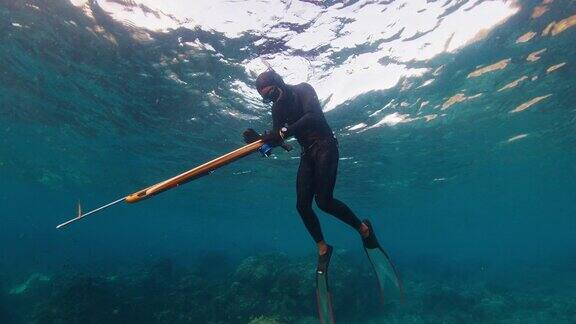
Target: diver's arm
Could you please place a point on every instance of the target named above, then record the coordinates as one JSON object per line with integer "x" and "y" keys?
{"x": 273, "y": 137}
{"x": 312, "y": 111}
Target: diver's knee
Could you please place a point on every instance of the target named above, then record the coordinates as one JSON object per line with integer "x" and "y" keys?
{"x": 324, "y": 202}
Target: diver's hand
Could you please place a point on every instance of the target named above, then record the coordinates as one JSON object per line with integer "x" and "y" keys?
{"x": 250, "y": 135}
{"x": 272, "y": 138}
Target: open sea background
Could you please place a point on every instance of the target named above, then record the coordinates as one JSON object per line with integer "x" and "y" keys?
{"x": 457, "y": 130}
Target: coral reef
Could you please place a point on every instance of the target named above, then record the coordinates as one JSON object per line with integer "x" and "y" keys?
{"x": 273, "y": 289}
{"x": 34, "y": 279}
{"x": 3, "y": 310}
{"x": 260, "y": 289}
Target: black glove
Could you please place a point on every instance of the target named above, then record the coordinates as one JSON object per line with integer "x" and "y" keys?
{"x": 250, "y": 135}
{"x": 272, "y": 138}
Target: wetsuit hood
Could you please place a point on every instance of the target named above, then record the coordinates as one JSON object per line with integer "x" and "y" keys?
{"x": 270, "y": 86}
{"x": 269, "y": 78}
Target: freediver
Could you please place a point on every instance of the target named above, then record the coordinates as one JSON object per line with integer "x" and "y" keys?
{"x": 296, "y": 111}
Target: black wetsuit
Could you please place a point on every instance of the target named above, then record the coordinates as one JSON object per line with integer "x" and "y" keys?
{"x": 299, "y": 110}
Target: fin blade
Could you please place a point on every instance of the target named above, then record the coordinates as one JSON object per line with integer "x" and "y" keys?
{"x": 388, "y": 279}
{"x": 324, "y": 299}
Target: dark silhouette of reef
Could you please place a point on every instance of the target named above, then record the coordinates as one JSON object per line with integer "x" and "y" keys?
{"x": 259, "y": 289}
{"x": 278, "y": 289}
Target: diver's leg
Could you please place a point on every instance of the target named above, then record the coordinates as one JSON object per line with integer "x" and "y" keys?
{"x": 304, "y": 195}
{"x": 326, "y": 168}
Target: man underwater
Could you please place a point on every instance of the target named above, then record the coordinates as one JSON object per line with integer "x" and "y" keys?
{"x": 296, "y": 112}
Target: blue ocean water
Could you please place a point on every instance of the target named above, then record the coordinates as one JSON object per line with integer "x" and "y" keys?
{"x": 468, "y": 178}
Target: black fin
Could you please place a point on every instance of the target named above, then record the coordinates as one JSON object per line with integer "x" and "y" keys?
{"x": 323, "y": 296}
{"x": 388, "y": 279}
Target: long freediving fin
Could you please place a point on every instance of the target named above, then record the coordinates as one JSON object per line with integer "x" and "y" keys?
{"x": 323, "y": 296}
{"x": 390, "y": 285}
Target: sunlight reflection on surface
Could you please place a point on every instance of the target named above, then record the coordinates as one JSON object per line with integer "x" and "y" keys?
{"x": 387, "y": 30}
